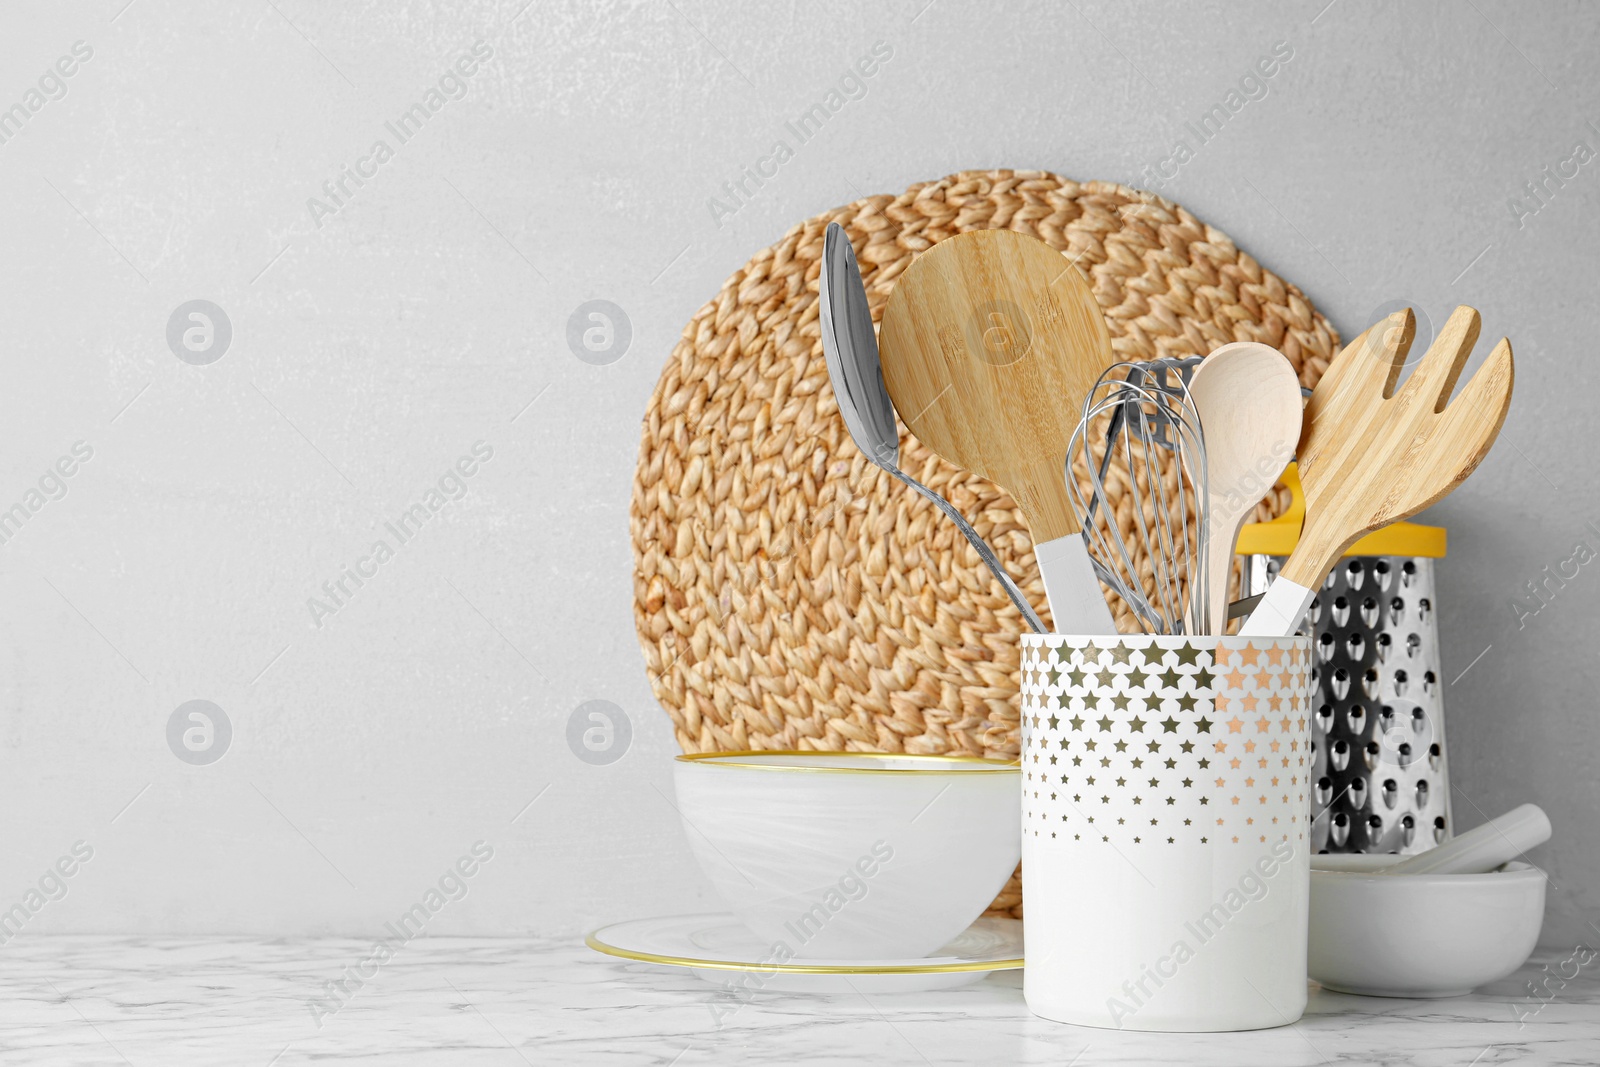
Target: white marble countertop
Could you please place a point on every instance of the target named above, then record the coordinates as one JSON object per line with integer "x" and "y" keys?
{"x": 454, "y": 1001}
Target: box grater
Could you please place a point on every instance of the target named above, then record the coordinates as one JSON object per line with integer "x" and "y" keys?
{"x": 1379, "y": 778}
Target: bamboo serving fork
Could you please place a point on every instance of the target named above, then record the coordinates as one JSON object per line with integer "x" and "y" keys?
{"x": 1371, "y": 455}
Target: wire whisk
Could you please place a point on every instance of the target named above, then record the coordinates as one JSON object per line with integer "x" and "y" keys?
{"x": 1143, "y": 449}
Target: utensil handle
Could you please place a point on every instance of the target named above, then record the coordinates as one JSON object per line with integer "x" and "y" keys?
{"x": 1483, "y": 848}
{"x": 1077, "y": 606}
{"x": 1212, "y": 593}
{"x": 1280, "y": 610}
{"x": 980, "y": 546}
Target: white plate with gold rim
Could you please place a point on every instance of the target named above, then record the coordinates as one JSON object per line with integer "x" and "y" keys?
{"x": 722, "y": 951}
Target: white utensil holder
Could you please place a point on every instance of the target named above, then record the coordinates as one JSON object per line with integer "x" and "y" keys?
{"x": 1165, "y": 851}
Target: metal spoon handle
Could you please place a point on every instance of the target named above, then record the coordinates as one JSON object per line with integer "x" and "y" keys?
{"x": 979, "y": 545}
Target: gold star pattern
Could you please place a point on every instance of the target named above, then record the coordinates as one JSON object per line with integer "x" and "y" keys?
{"x": 1062, "y": 698}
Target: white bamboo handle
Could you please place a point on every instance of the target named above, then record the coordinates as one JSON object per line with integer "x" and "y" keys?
{"x": 1280, "y": 611}
{"x": 1077, "y": 606}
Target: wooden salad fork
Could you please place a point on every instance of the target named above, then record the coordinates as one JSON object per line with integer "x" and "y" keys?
{"x": 1371, "y": 455}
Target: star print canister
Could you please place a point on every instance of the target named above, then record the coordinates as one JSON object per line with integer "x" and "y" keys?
{"x": 1165, "y": 853}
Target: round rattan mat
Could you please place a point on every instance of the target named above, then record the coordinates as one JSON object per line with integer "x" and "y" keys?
{"x": 787, "y": 593}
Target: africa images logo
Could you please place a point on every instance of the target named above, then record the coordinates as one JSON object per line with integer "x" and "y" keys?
{"x": 451, "y": 487}
{"x": 452, "y": 85}
{"x": 52, "y": 85}
{"x": 850, "y": 86}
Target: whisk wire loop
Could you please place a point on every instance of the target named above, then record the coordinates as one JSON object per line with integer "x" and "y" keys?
{"x": 1152, "y": 452}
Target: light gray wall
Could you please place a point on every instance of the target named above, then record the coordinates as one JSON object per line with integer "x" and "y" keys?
{"x": 374, "y": 346}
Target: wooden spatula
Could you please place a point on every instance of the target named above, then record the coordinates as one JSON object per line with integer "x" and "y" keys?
{"x": 1371, "y": 455}
{"x": 989, "y": 342}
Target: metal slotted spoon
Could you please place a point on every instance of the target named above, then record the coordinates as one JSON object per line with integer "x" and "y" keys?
{"x": 854, "y": 369}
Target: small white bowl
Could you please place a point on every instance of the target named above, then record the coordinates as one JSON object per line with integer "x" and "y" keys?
{"x": 852, "y": 855}
{"x": 1423, "y": 935}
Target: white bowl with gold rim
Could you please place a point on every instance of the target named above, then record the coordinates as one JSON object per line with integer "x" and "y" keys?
{"x": 852, "y": 855}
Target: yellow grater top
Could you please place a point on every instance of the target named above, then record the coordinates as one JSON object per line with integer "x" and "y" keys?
{"x": 1278, "y": 537}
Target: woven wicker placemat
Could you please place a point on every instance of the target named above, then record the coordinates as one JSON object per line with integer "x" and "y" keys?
{"x": 788, "y": 594}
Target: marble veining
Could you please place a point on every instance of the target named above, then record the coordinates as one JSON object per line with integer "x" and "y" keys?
{"x": 159, "y": 1001}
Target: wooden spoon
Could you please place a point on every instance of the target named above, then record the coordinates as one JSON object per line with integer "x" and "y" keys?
{"x": 1371, "y": 455}
{"x": 1248, "y": 399}
{"x": 990, "y": 341}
